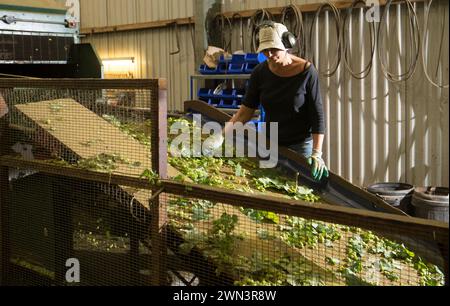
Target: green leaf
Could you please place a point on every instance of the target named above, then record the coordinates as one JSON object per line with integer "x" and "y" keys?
{"x": 291, "y": 280}
{"x": 238, "y": 170}
{"x": 332, "y": 261}
{"x": 264, "y": 234}
{"x": 199, "y": 213}
{"x": 273, "y": 217}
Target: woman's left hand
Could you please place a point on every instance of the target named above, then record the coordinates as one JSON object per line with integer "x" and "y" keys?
{"x": 318, "y": 167}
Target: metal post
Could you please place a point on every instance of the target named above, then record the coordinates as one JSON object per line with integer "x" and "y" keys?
{"x": 159, "y": 165}
{"x": 4, "y": 227}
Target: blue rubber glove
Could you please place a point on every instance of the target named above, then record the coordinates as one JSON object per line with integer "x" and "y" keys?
{"x": 318, "y": 167}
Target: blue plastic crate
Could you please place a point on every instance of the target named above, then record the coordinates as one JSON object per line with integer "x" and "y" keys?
{"x": 251, "y": 58}
{"x": 236, "y": 68}
{"x": 226, "y": 94}
{"x": 204, "y": 93}
{"x": 204, "y": 69}
{"x": 222, "y": 68}
{"x": 238, "y": 59}
{"x": 224, "y": 60}
{"x": 214, "y": 101}
{"x": 227, "y": 103}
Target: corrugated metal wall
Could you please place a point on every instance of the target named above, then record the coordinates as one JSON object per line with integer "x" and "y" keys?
{"x": 150, "y": 47}
{"x": 377, "y": 130}
{"x": 427, "y": 111}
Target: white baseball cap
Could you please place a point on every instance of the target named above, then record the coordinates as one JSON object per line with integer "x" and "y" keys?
{"x": 270, "y": 37}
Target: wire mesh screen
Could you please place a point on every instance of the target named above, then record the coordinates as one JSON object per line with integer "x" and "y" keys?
{"x": 30, "y": 47}
{"x": 96, "y": 128}
{"x": 92, "y": 126}
{"x": 54, "y": 219}
{"x": 221, "y": 244}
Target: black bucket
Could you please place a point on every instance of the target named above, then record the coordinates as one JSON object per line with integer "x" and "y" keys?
{"x": 396, "y": 194}
{"x": 431, "y": 203}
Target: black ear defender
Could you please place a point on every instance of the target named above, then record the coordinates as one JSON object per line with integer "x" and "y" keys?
{"x": 287, "y": 38}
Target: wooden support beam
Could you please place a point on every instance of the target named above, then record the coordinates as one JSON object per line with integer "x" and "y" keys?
{"x": 310, "y": 7}
{"x": 159, "y": 165}
{"x": 138, "y": 26}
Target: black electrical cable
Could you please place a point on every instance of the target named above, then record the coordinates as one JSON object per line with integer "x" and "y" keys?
{"x": 222, "y": 22}
{"x": 192, "y": 29}
{"x": 208, "y": 29}
{"x": 296, "y": 27}
{"x": 215, "y": 31}
{"x": 337, "y": 17}
{"x": 425, "y": 38}
{"x": 414, "y": 44}
{"x": 365, "y": 72}
{"x": 255, "y": 20}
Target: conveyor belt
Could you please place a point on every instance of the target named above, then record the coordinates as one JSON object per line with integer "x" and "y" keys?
{"x": 334, "y": 189}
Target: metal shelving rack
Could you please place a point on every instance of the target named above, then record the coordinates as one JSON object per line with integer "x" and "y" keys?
{"x": 196, "y": 78}
{"x": 201, "y": 77}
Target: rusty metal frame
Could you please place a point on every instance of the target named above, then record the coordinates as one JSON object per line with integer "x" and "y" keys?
{"x": 81, "y": 83}
{"x": 4, "y": 226}
{"x": 158, "y": 117}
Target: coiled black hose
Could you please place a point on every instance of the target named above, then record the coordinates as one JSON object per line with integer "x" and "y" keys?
{"x": 424, "y": 51}
{"x": 345, "y": 45}
{"x": 337, "y": 59}
{"x": 414, "y": 44}
{"x": 257, "y": 18}
{"x": 296, "y": 27}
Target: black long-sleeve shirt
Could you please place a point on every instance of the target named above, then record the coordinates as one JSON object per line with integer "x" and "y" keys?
{"x": 294, "y": 102}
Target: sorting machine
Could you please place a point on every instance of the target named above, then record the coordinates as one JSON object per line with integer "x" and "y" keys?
{"x": 40, "y": 38}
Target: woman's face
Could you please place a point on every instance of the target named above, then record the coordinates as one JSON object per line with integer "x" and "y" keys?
{"x": 274, "y": 55}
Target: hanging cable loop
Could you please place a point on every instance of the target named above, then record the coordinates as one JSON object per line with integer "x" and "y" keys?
{"x": 292, "y": 14}
{"x": 257, "y": 18}
{"x": 424, "y": 45}
{"x": 222, "y": 24}
{"x": 345, "y": 43}
{"x": 337, "y": 58}
{"x": 414, "y": 44}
